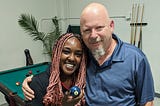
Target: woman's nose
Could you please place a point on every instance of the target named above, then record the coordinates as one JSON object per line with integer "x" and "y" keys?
{"x": 71, "y": 57}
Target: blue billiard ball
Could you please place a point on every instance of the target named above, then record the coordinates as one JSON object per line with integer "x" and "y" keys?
{"x": 75, "y": 91}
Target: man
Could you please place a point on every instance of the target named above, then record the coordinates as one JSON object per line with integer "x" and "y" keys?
{"x": 118, "y": 74}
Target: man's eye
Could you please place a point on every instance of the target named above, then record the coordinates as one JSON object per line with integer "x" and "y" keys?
{"x": 87, "y": 31}
{"x": 100, "y": 28}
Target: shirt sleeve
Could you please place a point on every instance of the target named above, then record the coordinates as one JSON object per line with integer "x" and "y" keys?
{"x": 145, "y": 84}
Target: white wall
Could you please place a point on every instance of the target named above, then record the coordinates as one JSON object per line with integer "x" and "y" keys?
{"x": 13, "y": 39}
{"x": 151, "y": 39}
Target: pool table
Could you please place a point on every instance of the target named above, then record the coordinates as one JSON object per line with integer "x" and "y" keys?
{"x": 11, "y": 82}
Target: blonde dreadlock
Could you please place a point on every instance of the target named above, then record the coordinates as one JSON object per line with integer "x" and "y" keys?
{"x": 54, "y": 93}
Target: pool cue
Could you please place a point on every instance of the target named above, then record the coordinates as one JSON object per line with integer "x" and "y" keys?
{"x": 132, "y": 25}
{"x": 136, "y": 25}
{"x": 140, "y": 34}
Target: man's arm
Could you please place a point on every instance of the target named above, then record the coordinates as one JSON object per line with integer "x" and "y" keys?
{"x": 27, "y": 91}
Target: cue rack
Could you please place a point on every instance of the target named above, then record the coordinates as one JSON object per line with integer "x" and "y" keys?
{"x": 136, "y": 25}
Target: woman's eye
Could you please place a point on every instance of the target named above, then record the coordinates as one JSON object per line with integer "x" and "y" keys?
{"x": 65, "y": 51}
{"x": 79, "y": 54}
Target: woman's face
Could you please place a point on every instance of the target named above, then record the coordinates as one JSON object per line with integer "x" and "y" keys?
{"x": 71, "y": 56}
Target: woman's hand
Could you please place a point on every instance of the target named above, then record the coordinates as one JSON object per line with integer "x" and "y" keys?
{"x": 69, "y": 100}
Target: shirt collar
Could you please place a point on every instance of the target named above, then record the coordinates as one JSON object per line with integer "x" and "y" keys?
{"x": 118, "y": 54}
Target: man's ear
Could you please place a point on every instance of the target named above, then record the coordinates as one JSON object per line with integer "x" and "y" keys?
{"x": 111, "y": 25}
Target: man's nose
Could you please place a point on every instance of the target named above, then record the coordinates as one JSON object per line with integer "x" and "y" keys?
{"x": 93, "y": 33}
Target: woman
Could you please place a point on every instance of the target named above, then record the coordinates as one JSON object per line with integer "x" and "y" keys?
{"x": 67, "y": 69}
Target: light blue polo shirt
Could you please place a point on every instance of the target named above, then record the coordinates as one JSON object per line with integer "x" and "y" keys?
{"x": 125, "y": 79}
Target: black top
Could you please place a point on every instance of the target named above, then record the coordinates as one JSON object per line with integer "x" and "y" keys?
{"x": 39, "y": 85}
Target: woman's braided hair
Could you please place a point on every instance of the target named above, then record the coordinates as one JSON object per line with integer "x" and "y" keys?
{"x": 54, "y": 93}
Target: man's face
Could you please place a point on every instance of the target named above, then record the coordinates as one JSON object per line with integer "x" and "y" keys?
{"x": 97, "y": 32}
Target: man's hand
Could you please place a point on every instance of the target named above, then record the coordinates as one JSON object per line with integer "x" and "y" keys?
{"x": 69, "y": 100}
{"x": 27, "y": 91}
{"x": 149, "y": 103}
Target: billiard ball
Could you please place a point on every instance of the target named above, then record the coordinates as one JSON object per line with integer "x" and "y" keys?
{"x": 17, "y": 83}
{"x": 75, "y": 91}
{"x": 30, "y": 72}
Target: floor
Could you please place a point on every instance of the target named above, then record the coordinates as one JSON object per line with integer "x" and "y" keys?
{"x": 5, "y": 104}
{"x": 156, "y": 101}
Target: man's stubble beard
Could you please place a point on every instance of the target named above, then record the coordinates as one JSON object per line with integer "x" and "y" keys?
{"x": 97, "y": 53}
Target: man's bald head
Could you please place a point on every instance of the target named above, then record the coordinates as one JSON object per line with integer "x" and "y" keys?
{"x": 93, "y": 10}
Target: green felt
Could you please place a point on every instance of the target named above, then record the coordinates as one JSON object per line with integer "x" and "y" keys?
{"x": 9, "y": 77}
